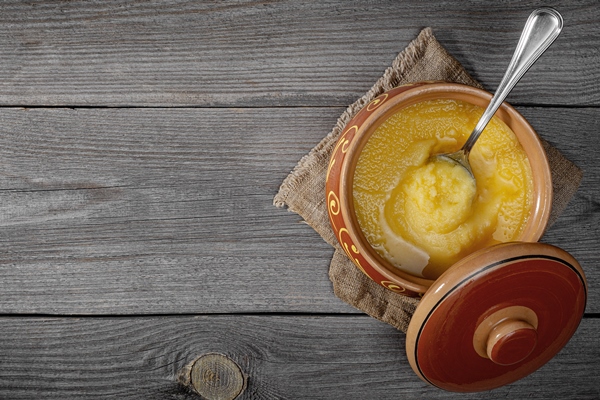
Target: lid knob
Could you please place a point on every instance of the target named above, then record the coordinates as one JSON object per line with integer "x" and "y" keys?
{"x": 511, "y": 341}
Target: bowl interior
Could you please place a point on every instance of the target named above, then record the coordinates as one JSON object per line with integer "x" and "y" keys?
{"x": 542, "y": 183}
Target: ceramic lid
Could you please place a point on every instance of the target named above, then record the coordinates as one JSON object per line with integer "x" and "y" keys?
{"x": 496, "y": 316}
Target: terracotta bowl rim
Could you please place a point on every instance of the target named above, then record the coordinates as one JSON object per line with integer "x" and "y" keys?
{"x": 541, "y": 208}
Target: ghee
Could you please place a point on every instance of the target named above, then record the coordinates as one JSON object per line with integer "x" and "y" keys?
{"x": 424, "y": 216}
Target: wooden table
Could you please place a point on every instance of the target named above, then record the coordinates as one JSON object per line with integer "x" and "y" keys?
{"x": 141, "y": 145}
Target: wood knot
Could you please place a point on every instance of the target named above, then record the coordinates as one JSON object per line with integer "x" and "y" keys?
{"x": 216, "y": 377}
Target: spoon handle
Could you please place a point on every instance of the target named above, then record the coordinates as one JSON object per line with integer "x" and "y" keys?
{"x": 541, "y": 29}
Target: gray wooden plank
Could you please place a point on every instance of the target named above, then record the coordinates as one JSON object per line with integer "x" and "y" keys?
{"x": 283, "y": 357}
{"x": 156, "y": 211}
{"x": 286, "y": 53}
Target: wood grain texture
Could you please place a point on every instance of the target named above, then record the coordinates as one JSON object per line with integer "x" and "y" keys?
{"x": 141, "y": 145}
{"x": 172, "y": 208}
{"x": 267, "y": 53}
{"x": 145, "y": 209}
{"x": 156, "y": 211}
{"x": 284, "y": 357}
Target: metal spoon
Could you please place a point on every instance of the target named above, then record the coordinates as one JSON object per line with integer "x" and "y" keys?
{"x": 541, "y": 29}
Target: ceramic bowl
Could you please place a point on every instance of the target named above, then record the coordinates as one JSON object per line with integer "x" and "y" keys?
{"x": 352, "y": 139}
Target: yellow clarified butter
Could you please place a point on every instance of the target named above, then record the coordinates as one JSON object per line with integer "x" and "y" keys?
{"x": 424, "y": 216}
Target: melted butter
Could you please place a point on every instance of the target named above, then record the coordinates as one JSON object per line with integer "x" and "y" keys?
{"x": 423, "y": 216}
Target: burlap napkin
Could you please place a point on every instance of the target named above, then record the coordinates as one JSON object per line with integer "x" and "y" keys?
{"x": 303, "y": 191}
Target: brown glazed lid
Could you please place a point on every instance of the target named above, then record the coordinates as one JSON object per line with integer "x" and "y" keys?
{"x": 496, "y": 316}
